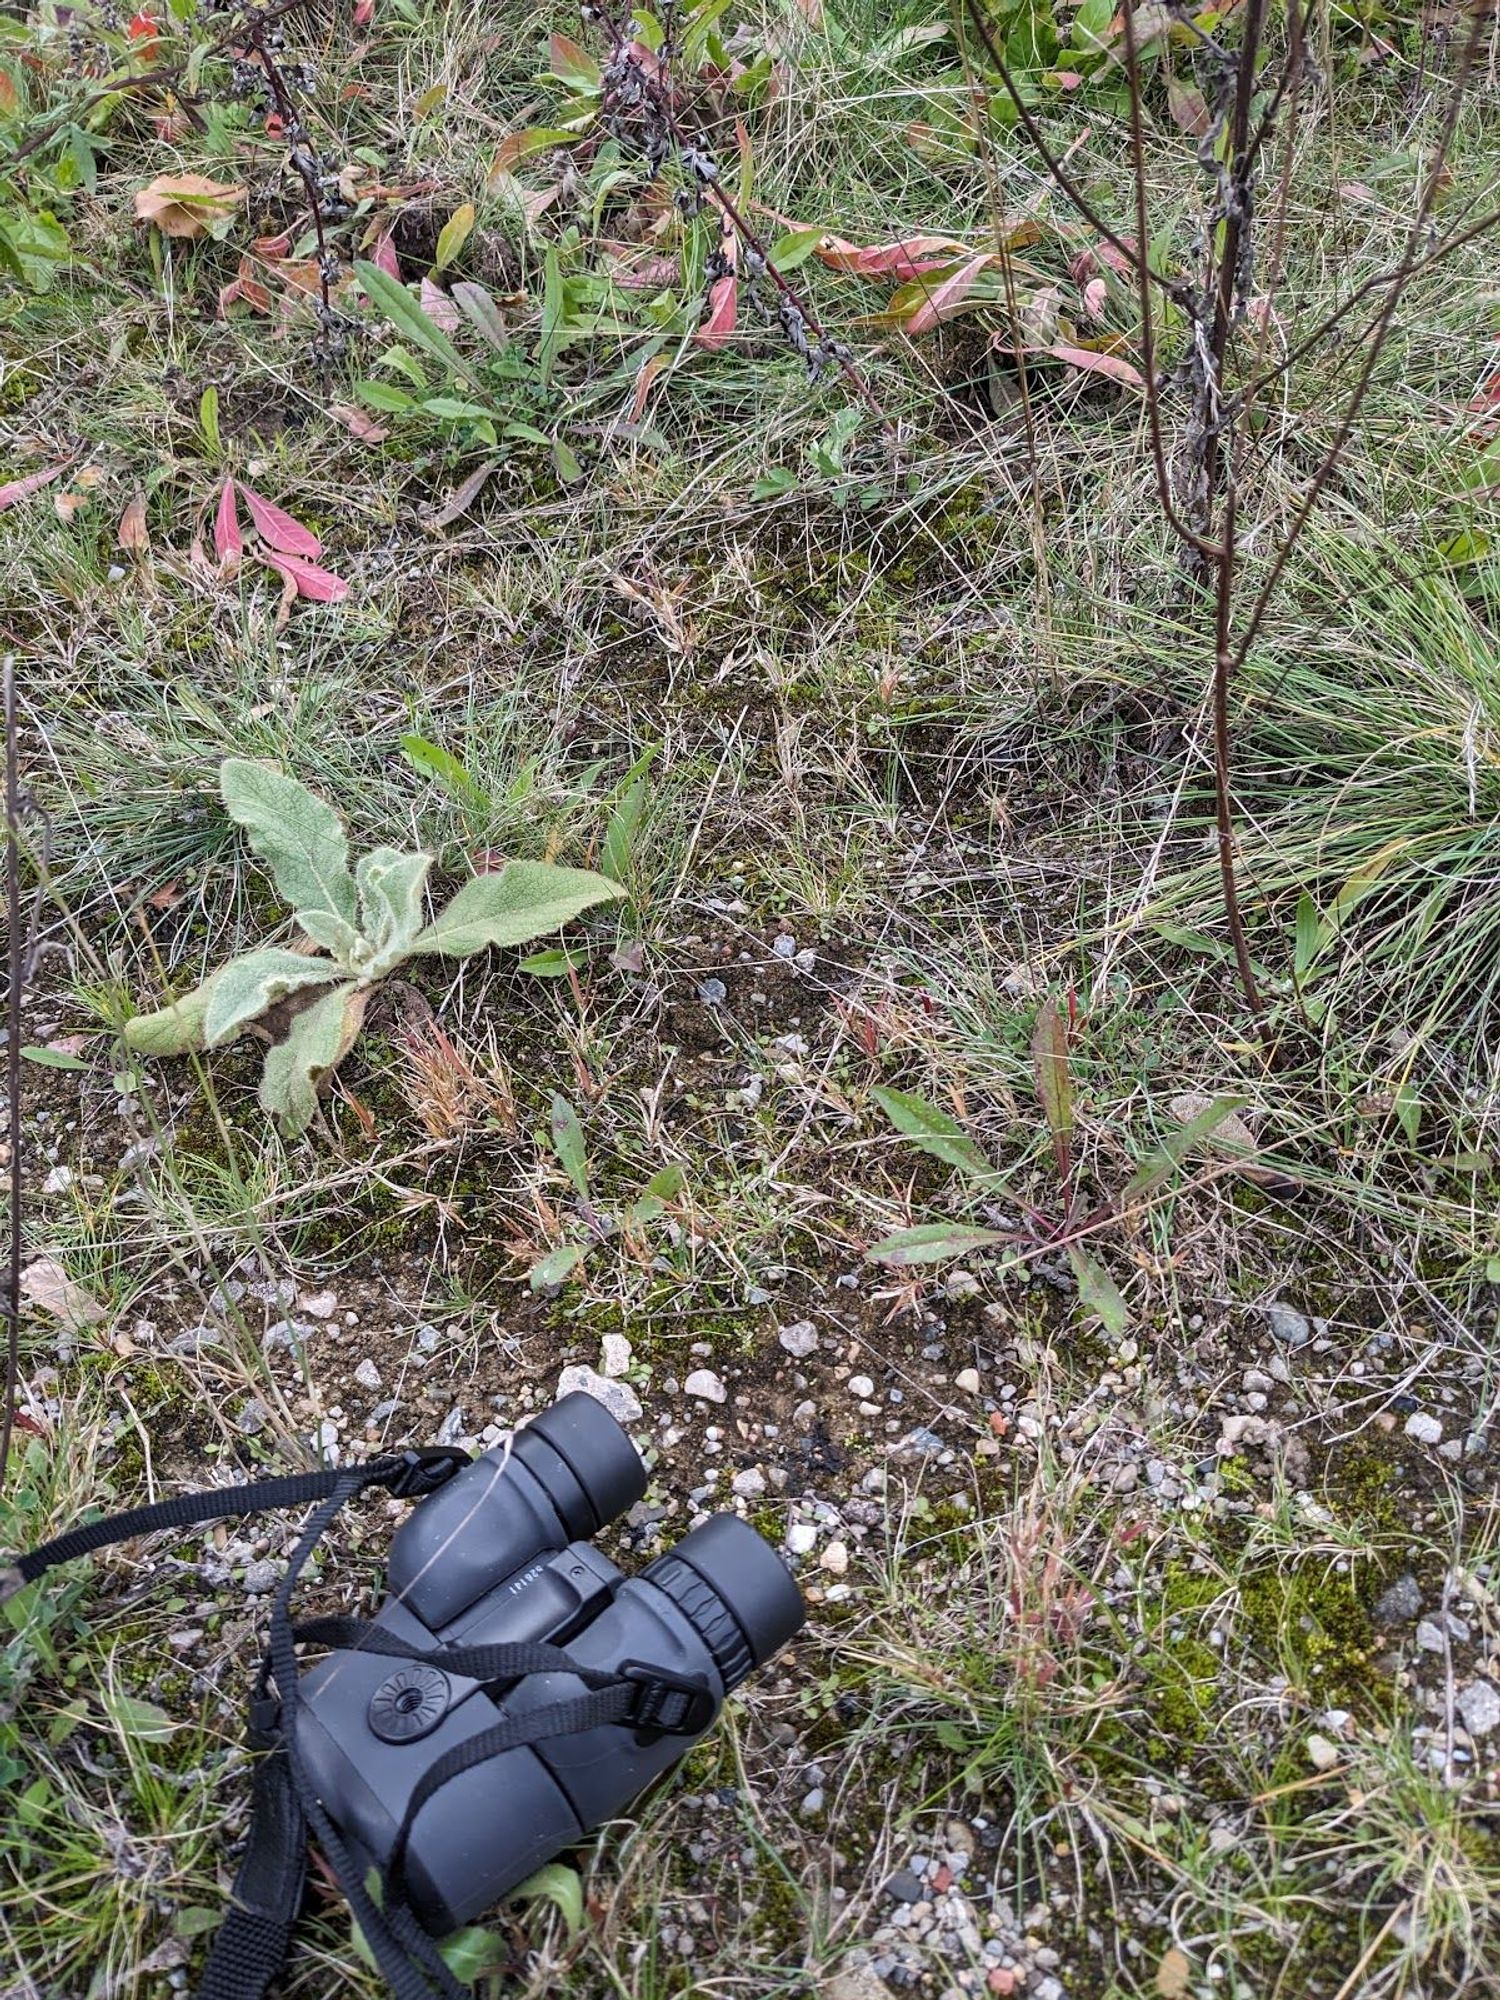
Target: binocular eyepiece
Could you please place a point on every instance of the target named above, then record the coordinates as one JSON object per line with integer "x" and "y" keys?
{"x": 502, "y": 1555}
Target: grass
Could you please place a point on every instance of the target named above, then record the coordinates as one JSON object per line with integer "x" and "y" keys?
{"x": 908, "y": 744}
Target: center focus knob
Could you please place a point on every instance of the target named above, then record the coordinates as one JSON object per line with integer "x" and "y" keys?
{"x": 409, "y": 1704}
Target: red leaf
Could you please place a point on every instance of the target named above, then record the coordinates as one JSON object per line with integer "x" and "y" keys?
{"x": 228, "y": 545}
{"x": 946, "y": 299}
{"x": 321, "y": 585}
{"x": 143, "y": 31}
{"x": 384, "y": 255}
{"x": 358, "y": 424}
{"x": 908, "y": 258}
{"x": 274, "y": 525}
{"x": 364, "y": 13}
{"x": 723, "y": 304}
{"x": 18, "y": 489}
{"x": 132, "y": 532}
{"x": 1094, "y": 363}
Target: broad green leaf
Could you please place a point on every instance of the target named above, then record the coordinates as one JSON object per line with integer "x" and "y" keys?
{"x": 471, "y": 1953}
{"x": 554, "y": 312}
{"x": 933, "y": 1130}
{"x": 557, "y": 1884}
{"x": 1096, "y": 1290}
{"x": 1308, "y": 927}
{"x": 433, "y": 761}
{"x": 787, "y": 252}
{"x": 570, "y": 1145}
{"x": 174, "y": 1030}
{"x": 53, "y": 1059}
{"x": 391, "y": 298}
{"x": 298, "y": 835}
{"x": 1407, "y": 1106}
{"x": 555, "y": 1267}
{"x": 624, "y": 823}
{"x": 479, "y": 308}
{"x": 384, "y": 396}
{"x": 136, "y": 1718}
{"x": 1054, "y": 1082}
{"x": 318, "y": 1040}
{"x": 247, "y": 987}
{"x": 663, "y": 1186}
{"x": 391, "y": 901}
{"x": 208, "y": 420}
{"x": 933, "y": 1243}
{"x": 453, "y": 235}
{"x": 556, "y": 963}
{"x": 525, "y": 900}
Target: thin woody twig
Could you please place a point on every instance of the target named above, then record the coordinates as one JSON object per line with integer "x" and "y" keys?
{"x": 17, "y": 965}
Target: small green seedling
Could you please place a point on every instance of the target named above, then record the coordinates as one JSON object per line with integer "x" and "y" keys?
{"x": 367, "y": 922}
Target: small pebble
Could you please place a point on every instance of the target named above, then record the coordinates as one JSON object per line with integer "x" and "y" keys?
{"x": 616, "y": 1354}
{"x": 623, "y": 1404}
{"x": 1423, "y": 1429}
{"x": 704, "y": 1383}
{"x": 861, "y": 1386}
{"x": 799, "y": 1340}
{"x": 1479, "y": 1705}
{"x": 367, "y": 1375}
{"x": 835, "y": 1558}
{"x": 261, "y": 1577}
{"x": 967, "y": 1380}
{"x": 802, "y": 1538}
{"x": 750, "y": 1484}
{"x": 1323, "y": 1753}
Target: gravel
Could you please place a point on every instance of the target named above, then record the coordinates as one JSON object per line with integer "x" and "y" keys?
{"x": 1423, "y": 1429}
{"x": 1399, "y": 1602}
{"x": 623, "y": 1404}
{"x": 705, "y": 1384}
{"x": 799, "y": 1340}
{"x": 616, "y": 1355}
{"x": 261, "y": 1577}
{"x": 1479, "y": 1705}
{"x": 1287, "y": 1324}
{"x": 367, "y": 1375}
{"x": 861, "y": 1386}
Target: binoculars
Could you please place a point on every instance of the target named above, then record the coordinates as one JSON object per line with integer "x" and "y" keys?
{"x": 503, "y": 1554}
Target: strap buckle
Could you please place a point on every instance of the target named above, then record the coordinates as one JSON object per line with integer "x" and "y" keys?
{"x": 667, "y": 1703}
{"x": 426, "y": 1468}
{"x": 264, "y": 1723}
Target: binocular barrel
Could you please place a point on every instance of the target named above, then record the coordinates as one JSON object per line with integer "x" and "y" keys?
{"x": 502, "y": 1553}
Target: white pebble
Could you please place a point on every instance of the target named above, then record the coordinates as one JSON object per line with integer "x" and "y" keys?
{"x": 623, "y": 1404}
{"x": 861, "y": 1385}
{"x": 367, "y": 1375}
{"x": 799, "y": 1340}
{"x": 835, "y": 1558}
{"x": 616, "y": 1354}
{"x": 967, "y": 1380}
{"x": 1323, "y": 1753}
{"x": 703, "y": 1382}
{"x": 1423, "y": 1428}
{"x": 802, "y": 1538}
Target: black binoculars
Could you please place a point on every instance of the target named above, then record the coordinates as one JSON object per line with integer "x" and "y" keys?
{"x": 502, "y": 1554}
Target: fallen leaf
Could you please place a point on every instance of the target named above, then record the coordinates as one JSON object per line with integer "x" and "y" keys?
{"x": 383, "y": 257}
{"x": 364, "y": 13}
{"x": 1094, "y": 363}
{"x": 33, "y": 482}
{"x": 132, "y": 533}
{"x": 187, "y": 205}
{"x": 275, "y": 526}
{"x": 1095, "y": 292}
{"x": 649, "y": 370}
{"x": 46, "y": 1286}
{"x": 1188, "y": 109}
{"x": 66, "y": 505}
{"x": 723, "y": 307}
{"x": 1174, "y": 1973}
{"x": 440, "y": 308}
{"x": 228, "y": 544}
{"x": 272, "y": 248}
{"x": 463, "y": 496}
{"x": 358, "y": 424}
{"x": 910, "y": 257}
{"x": 321, "y": 585}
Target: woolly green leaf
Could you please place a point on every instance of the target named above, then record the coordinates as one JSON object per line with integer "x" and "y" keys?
{"x": 391, "y": 904}
{"x": 174, "y": 1030}
{"x": 319, "y": 1039}
{"x": 525, "y": 900}
{"x": 570, "y": 1145}
{"x": 336, "y": 935}
{"x": 297, "y": 834}
{"x": 247, "y": 987}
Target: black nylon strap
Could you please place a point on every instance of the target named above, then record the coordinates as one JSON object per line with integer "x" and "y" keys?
{"x": 185, "y": 1510}
{"x": 253, "y": 1939}
{"x": 510, "y": 1662}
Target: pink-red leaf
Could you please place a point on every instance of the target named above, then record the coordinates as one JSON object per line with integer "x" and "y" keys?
{"x": 1112, "y": 365}
{"x": 19, "y": 489}
{"x": 228, "y": 543}
{"x": 948, "y": 297}
{"x": 723, "y": 305}
{"x": 383, "y": 256}
{"x": 908, "y": 258}
{"x": 275, "y": 526}
{"x": 321, "y": 585}
{"x": 440, "y": 308}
